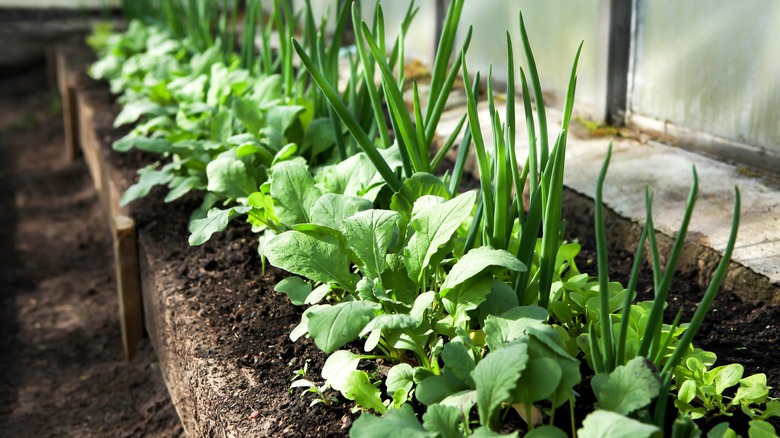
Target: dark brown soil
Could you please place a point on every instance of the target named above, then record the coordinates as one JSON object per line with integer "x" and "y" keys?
{"x": 62, "y": 371}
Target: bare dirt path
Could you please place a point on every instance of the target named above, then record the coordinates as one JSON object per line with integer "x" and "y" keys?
{"x": 61, "y": 367}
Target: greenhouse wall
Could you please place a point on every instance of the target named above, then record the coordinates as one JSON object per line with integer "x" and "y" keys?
{"x": 700, "y": 74}
{"x": 64, "y": 4}
{"x": 555, "y": 28}
{"x": 421, "y": 38}
{"x": 710, "y": 66}
{"x": 562, "y": 23}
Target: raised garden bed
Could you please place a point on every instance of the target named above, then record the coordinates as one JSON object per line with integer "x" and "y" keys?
{"x": 221, "y": 333}
{"x": 448, "y": 288}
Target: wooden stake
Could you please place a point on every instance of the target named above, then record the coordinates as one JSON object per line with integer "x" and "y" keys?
{"x": 128, "y": 283}
{"x": 67, "y": 90}
{"x": 88, "y": 140}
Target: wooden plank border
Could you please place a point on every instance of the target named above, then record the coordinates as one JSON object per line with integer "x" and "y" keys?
{"x": 122, "y": 226}
{"x": 65, "y": 79}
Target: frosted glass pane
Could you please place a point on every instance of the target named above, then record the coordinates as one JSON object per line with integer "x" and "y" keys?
{"x": 555, "y": 28}
{"x": 422, "y": 33}
{"x": 267, "y": 4}
{"x": 710, "y": 65}
{"x": 421, "y": 36}
{"x": 319, "y": 8}
{"x": 71, "y": 4}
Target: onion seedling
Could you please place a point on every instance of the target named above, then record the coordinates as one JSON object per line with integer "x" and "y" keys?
{"x": 412, "y": 134}
{"x": 499, "y": 177}
{"x": 609, "y": 349}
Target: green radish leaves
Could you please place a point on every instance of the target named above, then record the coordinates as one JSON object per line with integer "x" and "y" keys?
{"x": 318, "y": 255}
{"x": 395, "y": 423}
{"x": 294, "y": 192}
{"x": 216, "y": 221}
{"x": 331, "y": 210}
{"x": 434, "y": 224}
{"x": 229, "y": 176}
{"x": 332, "y": 327}
{"x": 628, "y": 388}
{"x": 370, "y": 234}
{"x": 496, "y": 376}
{"x": 476, "y": 261}
{"x": 601, "y": 424}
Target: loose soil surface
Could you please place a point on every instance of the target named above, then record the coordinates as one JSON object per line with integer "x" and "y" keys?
{"x": 62, "y": 371}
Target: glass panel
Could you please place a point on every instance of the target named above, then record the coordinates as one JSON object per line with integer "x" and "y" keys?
{"x": 710, "y": 66}
{"x": 421, "y": 35}
{"x": 319, "y": 8}
{"x": 555, "y": 28}
{"x": 69, "y": 4}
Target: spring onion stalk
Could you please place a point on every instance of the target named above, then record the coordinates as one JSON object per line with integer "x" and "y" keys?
{"x": 404, "y": 124}
{"x": 248, "y": 41}
{"x": 414, "y": 132}
{"x": 367, "y": 61}
{"x": 625, "y": 315}
{"x": 357, "y": 132}
{"x": 662, "y": 292}
{"x": 463, "y": 151}
{"x": 309, "y": 36}
{"x": 525, "y": 251}
{"x": 654, "y": 253}
{"x": 533, "y": 220}
{"x": 551, "y": 222}
{"x": 228, "y": 24}
{"x": 605, "y": 319}
{"x": 338, "y": 32}
{"x": 479, "y": 147}
{"x": 443, "y": 54}
{"x": 335, "y": 122}
{"x": 284, "y": 26}
{"x": 533, "y": 160}
{"x": 418, "y": 122}
{"x": 518, "y": 179}
{"x": 541, "y": 112}
{"x": 266, "y": 60}
{"x": 442, "y": 152}
{"x": 595, "y": 351}
{"x": 471, "y": 236}
{"x": 498, "y": 176}
{"x": 683, "y": 345}
{"x": 668, "y": 338}
{"x": 709, "y": 296}
{"x": 552, "y": 194}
